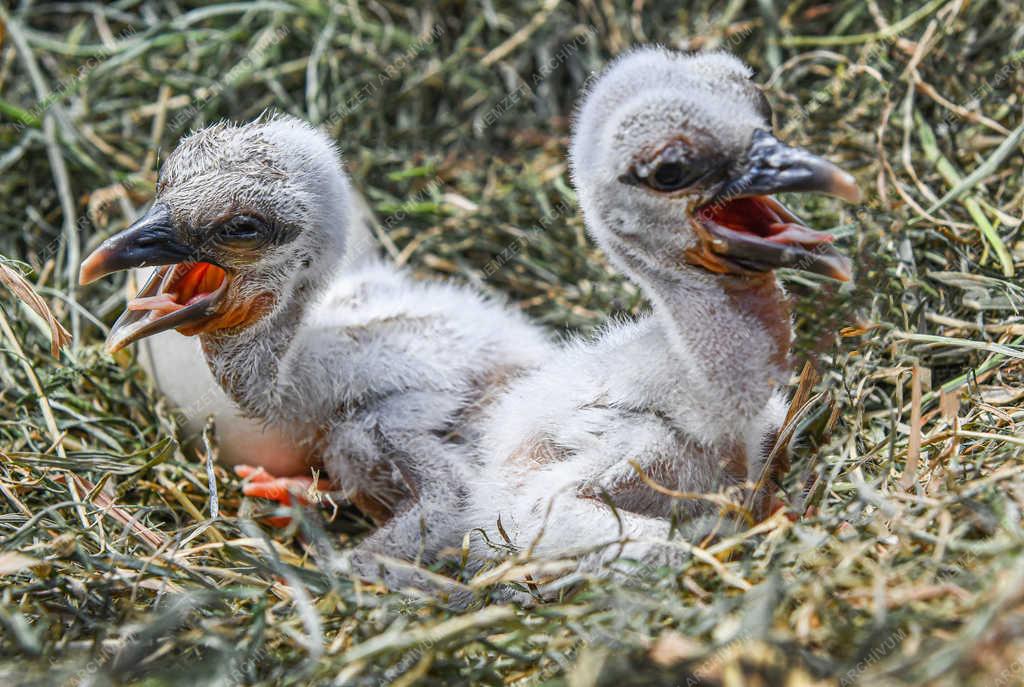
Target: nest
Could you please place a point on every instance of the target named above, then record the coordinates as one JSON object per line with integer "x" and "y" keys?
{"x": 128, "y": 559}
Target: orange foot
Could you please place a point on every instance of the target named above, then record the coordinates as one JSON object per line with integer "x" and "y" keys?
{"x": 285, "y": 490}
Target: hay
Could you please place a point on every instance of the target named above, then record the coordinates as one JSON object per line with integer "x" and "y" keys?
{"x": 906, "y": 565}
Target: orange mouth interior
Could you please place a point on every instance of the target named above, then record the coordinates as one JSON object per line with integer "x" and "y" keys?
{"x": 746, "y": 215}
{"x": 182, "y": 285}
{"x": 763, "y": 217}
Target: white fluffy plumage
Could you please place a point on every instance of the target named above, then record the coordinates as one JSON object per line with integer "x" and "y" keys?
{"x": 382, "y": 378}
{"x": 688, "y": 393}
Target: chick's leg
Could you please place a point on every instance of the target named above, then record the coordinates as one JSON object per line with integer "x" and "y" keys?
{"x": 396, "y": 553}
{"x": 427, "y": 518}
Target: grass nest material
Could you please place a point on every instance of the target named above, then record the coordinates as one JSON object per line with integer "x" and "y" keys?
{"x": 123, "y": 562}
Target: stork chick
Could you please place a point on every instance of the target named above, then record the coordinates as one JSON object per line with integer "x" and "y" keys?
{"x": 379, "y": 376}
{"x": 674, "y": 166}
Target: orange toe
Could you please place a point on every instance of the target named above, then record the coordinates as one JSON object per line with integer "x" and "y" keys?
{"x": 284, "y": 490}
{"x": 261, "y": 484}
{"x": 253, "y": 473}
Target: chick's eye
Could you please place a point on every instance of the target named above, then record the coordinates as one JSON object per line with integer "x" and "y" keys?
{"x": 668, "y": 176}
{"x": 243, "y": 229}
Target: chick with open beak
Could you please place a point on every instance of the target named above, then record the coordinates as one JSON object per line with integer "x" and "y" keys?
{"x": 675, "y": 170}
{"x": 378, "y": 377}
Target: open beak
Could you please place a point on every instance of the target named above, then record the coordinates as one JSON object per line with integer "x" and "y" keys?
{"x": 182, "y": 292}
{"x": 744, "y": 230}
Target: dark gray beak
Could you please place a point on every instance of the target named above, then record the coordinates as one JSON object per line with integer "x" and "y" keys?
{"x": 150, "y": 241}
{"x": 771, "y": 166}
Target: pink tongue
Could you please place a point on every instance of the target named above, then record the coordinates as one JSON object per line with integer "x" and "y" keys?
{"x": 162, "y": 302}
{"x": 791, "y": 233}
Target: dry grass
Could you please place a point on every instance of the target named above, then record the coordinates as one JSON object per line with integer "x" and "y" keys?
{"x": 906, "y": 563}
